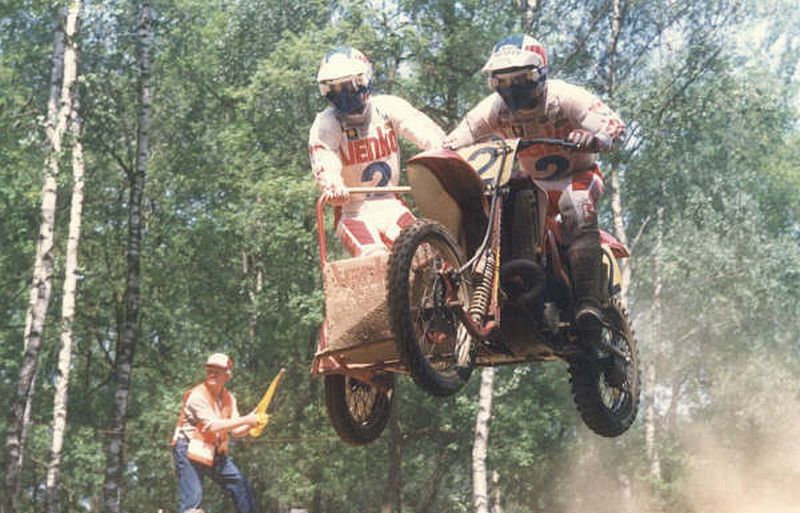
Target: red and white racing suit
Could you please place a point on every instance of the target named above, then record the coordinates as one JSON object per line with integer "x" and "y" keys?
{"x": 363, "y": 150}
{"x": 572, "y": 180}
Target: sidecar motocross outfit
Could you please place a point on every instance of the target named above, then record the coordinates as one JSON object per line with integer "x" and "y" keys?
{"x": 571, "y": 180}
{"x": 362, "y": 150}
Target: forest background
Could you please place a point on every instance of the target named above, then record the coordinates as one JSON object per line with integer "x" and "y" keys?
{"x": 202, "y": 239}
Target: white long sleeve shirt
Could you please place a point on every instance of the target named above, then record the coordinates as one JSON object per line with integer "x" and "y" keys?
{"x": 363, "y": 151}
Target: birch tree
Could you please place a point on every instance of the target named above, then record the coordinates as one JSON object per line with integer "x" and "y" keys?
{"x": 70, "y": 281}
{"x": 126, "y": 345}
{"x": 392, "y": 495}
{"x": 63, "y": 74}
{"x": 651, "y": 372}
{"x": 480, "y": 488}
{"x": 616, "y": 192}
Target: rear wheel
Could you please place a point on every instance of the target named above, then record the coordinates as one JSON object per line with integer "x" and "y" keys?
{"x": 422, "y": 287}
{"x": 605, "y": 386}
{"x": 359, "y": 410}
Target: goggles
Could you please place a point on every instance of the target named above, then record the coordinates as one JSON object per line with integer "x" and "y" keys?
{"x": 517, "y": 78}
{"x": 338, "y": 86}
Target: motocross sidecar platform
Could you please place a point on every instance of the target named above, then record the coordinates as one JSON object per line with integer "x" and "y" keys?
{"x": 355, "y": 337}
{"x": 355, "y": 334}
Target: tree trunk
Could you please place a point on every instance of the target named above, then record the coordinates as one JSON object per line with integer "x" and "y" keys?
{"x": 616, "y": 190}
{"x": 58, "y": 108}
{"x": 616, "y": 206}
{"x": 393, "y": 494}
{"x": 651, "y": 377}
{"x": 437, "y": 476}
{"x": 497, "y": 499}
{"x": 112, "y": 495}
{"x": 528, "y": 14}
{"x": 480, "y": 493}
{"x": 70, "y": 282}
{"x": 254, "y": 288}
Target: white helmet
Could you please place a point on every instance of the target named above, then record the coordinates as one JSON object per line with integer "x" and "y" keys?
{"x": 517, "y": 70}
{"x": 344, "y": 79}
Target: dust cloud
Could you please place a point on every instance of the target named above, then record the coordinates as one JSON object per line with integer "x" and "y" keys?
{"x": 737, "y": 452}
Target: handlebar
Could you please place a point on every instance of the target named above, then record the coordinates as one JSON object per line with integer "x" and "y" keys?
{"x": 367, "y": 190}
{"x": 546, "y": 140}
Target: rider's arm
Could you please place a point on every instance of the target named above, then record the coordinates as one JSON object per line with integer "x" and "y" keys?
{"x": 479, "y": 122}
{"x": 593, "y": 115}
{"x": 204, "y": 415}
{"x": 242, "y": 429}
{"x": 412, "y": 124}
{"x": 324, "y": 140}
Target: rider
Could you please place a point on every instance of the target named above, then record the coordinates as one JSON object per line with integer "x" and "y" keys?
{"x": 353, "y": 143}
{"x": 527, "y": 105}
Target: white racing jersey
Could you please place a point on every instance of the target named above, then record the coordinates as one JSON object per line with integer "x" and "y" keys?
{"x": 363, "y": 151}
{"x": 568, "y": 107}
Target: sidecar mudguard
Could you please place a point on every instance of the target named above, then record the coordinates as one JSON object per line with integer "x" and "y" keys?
{"x": 447, "y": 189}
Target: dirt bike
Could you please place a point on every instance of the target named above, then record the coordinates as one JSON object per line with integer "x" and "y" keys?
{"x": 473, "y": 283}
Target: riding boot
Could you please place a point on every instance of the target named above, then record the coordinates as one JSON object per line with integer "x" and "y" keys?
{"x": 585, "y": 259}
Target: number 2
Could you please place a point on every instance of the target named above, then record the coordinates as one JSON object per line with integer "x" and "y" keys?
{"x": 381, "y": 168}
{"x": 491, "y": 151}
{"x": 559, "y": 161}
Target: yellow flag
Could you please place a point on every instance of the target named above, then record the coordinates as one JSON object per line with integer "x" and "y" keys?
{"x": 263, "y": 404}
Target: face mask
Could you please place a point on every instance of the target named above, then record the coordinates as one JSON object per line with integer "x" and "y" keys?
{"x": 349, "y": 101}
{"x": 519, "y": 97}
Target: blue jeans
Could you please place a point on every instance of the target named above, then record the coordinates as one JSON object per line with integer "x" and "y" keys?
{"x": 224, "y": 472}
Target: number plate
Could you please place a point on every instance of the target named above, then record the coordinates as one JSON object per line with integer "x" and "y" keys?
{"x": 492, "y": 160}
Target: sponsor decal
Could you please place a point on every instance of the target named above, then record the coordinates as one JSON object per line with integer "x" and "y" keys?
{"x": 368, "y": 149}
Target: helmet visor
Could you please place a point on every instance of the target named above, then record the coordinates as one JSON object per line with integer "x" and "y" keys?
{"x": 518, "y": 77}
{"x": 348, "y": 94}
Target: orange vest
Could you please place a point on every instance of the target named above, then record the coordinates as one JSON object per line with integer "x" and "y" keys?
{"x": 204, "y": 445}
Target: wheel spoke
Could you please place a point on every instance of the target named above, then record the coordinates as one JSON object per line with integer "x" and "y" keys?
{"x": 432, "y": 320}
{"x": 361, "y": 398}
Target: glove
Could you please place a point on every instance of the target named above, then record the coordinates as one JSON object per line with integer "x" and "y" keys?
{"x": 449, "y": 144}
{"x": 336, "y": 195}
{"x": 458, "y": 138}
{"x": 584, "y": 139}
{"x": 263, "y": 420}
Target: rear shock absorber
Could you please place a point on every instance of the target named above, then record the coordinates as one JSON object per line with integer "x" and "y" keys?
{"x": 482, "y": 294}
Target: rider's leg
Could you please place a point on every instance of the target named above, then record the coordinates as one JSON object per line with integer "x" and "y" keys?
{"x": 190, "y": 479}
{"x": 577, "y": 205}
{"x": 390, "y": 215}
{"x": 358, "y": 232}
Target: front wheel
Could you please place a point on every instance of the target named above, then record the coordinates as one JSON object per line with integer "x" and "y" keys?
{"x": 424, "y": 291}
{"x": 359, "y": 410}
{"x": 606, "y": 386}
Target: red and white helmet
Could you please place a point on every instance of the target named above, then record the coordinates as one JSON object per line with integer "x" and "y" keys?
{"x": 517, "y": 70}
{"x": 517, "y": 51}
